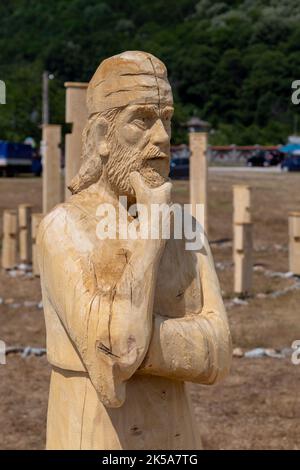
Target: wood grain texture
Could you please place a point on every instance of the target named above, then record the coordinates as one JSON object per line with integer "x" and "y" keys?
{"x": 128, "y": 321}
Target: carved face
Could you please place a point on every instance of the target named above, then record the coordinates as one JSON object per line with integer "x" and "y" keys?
{"x": 140, "y": 142}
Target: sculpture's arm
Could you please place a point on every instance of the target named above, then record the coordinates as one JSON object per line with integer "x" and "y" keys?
{"x": 195, "y": 348}
{"x": 111, "y": 328}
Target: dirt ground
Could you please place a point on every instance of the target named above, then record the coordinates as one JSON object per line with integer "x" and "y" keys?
{"x": 258, "y": 406}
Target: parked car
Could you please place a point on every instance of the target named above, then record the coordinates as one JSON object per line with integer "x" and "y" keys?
{"x": 257, "y": 159}
{"x": 274, "y": 158}
{"x": 265, "y": 158}
{"x": 18, "y": 158}
{"x": 179, "y": 168}
{"x": 291, "y": 163}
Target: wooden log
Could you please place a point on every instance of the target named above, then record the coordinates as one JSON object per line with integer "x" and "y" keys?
{"x": 198, "y": 173}
{"x": 243, "y": 262}
{"x": 243, "y": 243}
{"x": 51, "y": 166}
{"x": 241, "y": 204}
{"x": 294, "y": 242}
{"x": 9, "y": 241}
{"x": 25, "y": 243}
{"x": 76, "y": 114}
{"x": 35, "y": 222}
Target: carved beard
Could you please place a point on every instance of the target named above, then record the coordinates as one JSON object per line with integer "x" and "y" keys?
{"x": 123, "y": 160}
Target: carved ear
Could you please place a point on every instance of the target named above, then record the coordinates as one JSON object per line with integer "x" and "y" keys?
{"x": 95, "y": 150}
{"x": 101, "y": 129}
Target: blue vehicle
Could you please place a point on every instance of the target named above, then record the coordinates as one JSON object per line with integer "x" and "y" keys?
{"x": 18, "y": 158}
{"x": 291, "y": 163}
{"x": 180, "y": 168}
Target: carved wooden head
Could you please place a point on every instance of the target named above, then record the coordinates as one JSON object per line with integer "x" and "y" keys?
{"x": 130, "y": 106}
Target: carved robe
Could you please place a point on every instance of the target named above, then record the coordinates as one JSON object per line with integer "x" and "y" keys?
{"x": 190, "y": 337}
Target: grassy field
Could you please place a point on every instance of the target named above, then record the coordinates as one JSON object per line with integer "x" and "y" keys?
{"x": 258, "y": 406}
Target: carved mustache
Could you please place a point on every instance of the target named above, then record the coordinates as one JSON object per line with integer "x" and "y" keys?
{"x": 155, "y": 155}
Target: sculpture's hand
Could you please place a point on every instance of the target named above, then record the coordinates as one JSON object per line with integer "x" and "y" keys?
{"x": 155, "y": 202}
{"x": 146, "y": 195}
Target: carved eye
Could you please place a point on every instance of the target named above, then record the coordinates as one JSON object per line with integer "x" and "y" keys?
{"x": 141, "y": 123}
{"x": 167, "y": 121}
{"x": 167, "y": 115}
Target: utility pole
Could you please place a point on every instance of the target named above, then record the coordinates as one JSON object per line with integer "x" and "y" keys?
{"x": 45, "y": 119}
{"x": 295, "y": 124}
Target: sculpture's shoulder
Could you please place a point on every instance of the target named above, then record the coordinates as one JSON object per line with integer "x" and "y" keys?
{"x": 65, "y": 226}
{"x": 53, "y": 218}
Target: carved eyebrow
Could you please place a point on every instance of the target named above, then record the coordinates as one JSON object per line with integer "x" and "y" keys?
{"x": 167, "y": 111}
{"x": 150, "y": 110}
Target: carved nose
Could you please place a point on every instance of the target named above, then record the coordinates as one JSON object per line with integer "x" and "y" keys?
{"x": 160, "y": 137}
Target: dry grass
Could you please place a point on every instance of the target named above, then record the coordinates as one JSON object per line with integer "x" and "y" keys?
{"x": 258, "y": 405}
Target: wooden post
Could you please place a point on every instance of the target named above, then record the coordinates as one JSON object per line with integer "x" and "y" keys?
{"x": 76, "y": 114}
{"x": 35, "y": 222}
{"x": 9, "y": 242}
{"x": 243, "y": 243}
{"x": 243, "y": 263}
{"x": 294, "y": 242}
{"x": 51, "y": 166}
{"x": 198, "y": 173}
{"x": 241, "y": 204}
{"x": 24, "y": 216}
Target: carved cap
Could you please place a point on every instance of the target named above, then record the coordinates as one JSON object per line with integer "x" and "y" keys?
{"x": 132, "y": 77}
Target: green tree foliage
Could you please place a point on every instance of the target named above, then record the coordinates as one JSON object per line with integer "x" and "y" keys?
{"x": 231, "y": 63}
